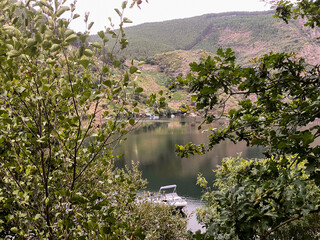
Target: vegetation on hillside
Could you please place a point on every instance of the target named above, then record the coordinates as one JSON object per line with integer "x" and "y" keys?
{"x": 249, "y": 34}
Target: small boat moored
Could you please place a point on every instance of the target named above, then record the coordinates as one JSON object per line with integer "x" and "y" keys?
{"x": 169, "y": 195}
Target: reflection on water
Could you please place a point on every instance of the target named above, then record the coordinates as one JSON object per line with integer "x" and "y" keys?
{"x": 153, "y": 145}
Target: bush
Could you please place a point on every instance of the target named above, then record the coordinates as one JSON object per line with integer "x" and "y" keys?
{"x": 260, "y": 199}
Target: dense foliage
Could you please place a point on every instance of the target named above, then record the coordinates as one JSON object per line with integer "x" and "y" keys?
{"x": 279, "y": 111}
{"x": 64, "y": 105}
{"x": 253, "y": 199}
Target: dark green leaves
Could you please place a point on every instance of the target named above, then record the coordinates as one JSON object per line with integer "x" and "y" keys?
{"x": 277, "y": 90}
{"x": 266, "y": 192}
{"x": 139, "y": 90}
{"x": 308, "y": 9}
{"x": 133, "y": 69}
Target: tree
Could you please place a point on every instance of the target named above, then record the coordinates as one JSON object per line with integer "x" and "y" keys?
{"x": 64, "y": 105}
{"x": 279, "y": 103}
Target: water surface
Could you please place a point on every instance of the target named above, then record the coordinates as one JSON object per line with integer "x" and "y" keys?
{"x": 153, "y": 145}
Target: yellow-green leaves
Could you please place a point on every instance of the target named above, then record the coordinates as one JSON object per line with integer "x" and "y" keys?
{"x": 81, "y": 51}
{"x": 101, "y": 34}
{"x": 38, "y": 37}
{"x": 84, "y": 62}
{"x": 118, "y": 12}
{"x": 88, "y": 52}
{"x": 71, "y": 38}
{"x": 14, "y": 230}
{"x": 124, "y": 4}
{"x": 65, "y": 102}
{"x": 96, "y": 45}
{"x": 127, "y": 20}
{"x": 31, "y": 42}
{"x": 62, "y": 10}
{"x": 55, "y": 47}
{"x": 13, "y": 53}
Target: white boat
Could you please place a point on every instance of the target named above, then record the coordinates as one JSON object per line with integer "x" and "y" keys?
{"x": 169, "y": 195}
{"x": 154, "y": 116}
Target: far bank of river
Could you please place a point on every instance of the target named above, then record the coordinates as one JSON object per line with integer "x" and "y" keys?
{"x": 153, "y": 145}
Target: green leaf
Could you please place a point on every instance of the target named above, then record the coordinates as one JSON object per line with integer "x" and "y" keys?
{"x": 105, "y": 69}
{"x": 127, "y": 20}
{"x": 14, "y": 229}
{"x": 118, "y": 12}
{"x": 62, "y": 10}
{"x": 133, "y": 69}
{"x": 271, "y": 214}
{"x": 132, "y": 121}
{"x": 307, "y": 138}
{"x": 31, "y": 42}
{"x": 108, "y": 83}
{"x": 38, "y": 37}
{"x": 126, "y": 78}
{"x": 116, "y": 90}
{"x": 71, "y": 38}
{"x": 81, "y": 51}
{"x": 139, "y": 90}
{"x": 96, "y": 45}
{"x": 88, "y": 52}
{"x": 84, "y": 62}
{"x": 124, "y": 4}
{"x": 116, "y": 63}
{"x": 46, "y": 44}
{"x": 78, "y": 200}
{"x": 21, "y": 89}
{"x": 13, "y": 53}
{"x": 90, "y": 25}
{"x": 54, "y": 48}
{"x": 101, "y": 34}
{"x": 76, "y": 16}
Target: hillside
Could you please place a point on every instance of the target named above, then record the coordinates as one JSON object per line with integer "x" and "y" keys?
{"x": 249, "y": 34}
{"x": 168, "y": 47}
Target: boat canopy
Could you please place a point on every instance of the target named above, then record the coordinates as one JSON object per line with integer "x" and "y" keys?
{"x": 168, "y": 187}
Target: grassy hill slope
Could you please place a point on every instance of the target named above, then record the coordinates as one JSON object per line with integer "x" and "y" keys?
{"x": 168, "y": 47}
{"x": 249, "y": 34}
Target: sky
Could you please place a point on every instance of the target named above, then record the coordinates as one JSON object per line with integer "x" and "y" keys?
{"x": 157, "y": 10}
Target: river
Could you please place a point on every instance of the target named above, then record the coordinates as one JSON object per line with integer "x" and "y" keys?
{"x": 153, "y": 145}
